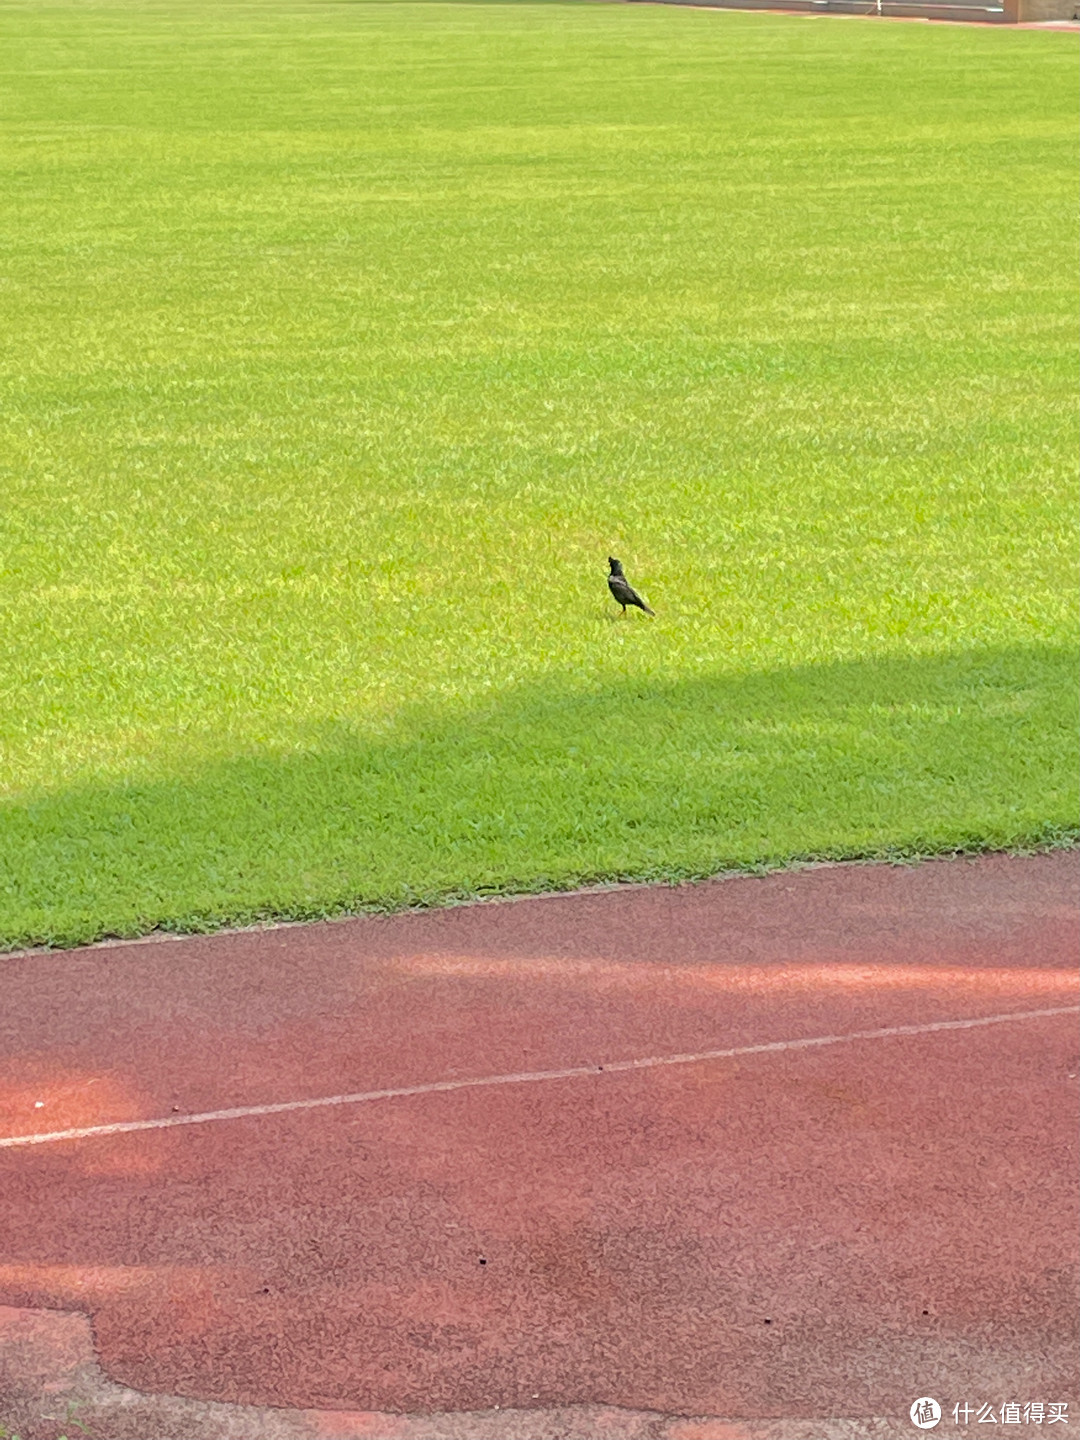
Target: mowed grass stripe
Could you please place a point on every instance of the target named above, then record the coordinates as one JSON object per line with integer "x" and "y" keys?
{"x": 341, "y": 344}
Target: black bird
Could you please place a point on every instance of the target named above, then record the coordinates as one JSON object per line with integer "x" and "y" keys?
{"x": 621, "y": 588}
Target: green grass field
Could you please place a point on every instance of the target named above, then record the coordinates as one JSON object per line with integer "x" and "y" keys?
{"x": 342, "y": 342}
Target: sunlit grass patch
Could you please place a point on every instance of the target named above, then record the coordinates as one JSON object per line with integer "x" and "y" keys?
{"x": 342, "y": 344}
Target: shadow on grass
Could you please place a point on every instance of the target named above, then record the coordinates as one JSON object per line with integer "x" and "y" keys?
{"x": 557, "y": 784}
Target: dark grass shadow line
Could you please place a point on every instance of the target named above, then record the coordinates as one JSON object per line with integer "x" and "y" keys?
{"x": 558, "y": 784}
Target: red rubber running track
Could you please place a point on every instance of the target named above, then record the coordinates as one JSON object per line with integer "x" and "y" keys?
{"x": 793, "y": 1146}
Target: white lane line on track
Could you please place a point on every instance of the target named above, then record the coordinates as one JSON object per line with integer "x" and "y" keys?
{"x": 575, "y": 1072}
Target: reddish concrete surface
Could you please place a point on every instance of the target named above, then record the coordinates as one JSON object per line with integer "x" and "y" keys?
{"x": 49, "y": 1369}
{"x": 798, "y": 1233}
{"x": 871, "y": 14}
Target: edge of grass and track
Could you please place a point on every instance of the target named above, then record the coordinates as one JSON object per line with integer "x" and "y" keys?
{"x": 1043, "y": 839}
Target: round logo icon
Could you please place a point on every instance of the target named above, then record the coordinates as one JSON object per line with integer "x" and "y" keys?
{"x": 925, "y": 1413}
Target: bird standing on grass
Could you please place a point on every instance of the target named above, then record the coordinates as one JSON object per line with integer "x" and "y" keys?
{"x": 621, "y": 588}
